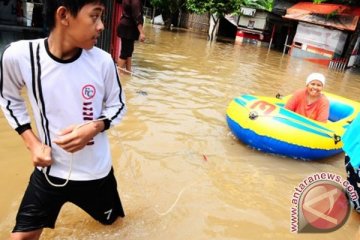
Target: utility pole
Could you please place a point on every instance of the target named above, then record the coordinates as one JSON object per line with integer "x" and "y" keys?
{"x": 352, "y": 43}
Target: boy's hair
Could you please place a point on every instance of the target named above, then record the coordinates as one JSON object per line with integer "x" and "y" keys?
{"x": 74, "y": 6}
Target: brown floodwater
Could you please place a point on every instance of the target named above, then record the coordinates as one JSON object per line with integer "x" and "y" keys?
{"x": 181, "y": 173}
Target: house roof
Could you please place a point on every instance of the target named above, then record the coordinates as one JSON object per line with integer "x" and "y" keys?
{"x": 344, "y": 17}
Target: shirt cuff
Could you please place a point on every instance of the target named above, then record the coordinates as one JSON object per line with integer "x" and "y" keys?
{"x": 107, "y": 123}
{"x": 23, "y": 128}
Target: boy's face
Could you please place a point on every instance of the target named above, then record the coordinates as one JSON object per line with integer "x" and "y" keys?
{"x": 86, "y": 27}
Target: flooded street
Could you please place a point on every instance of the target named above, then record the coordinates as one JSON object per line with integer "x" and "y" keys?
{"x": 181, "y": 173}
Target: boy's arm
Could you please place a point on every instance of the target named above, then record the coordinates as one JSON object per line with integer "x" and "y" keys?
{"x": 14, "y": 107}
{"x": 11, "y": 83}
{"x": 114, "y": 102}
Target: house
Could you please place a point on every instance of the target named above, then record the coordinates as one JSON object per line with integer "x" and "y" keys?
{"x": 325, "y": 33}
{"x": 252, "y": 26}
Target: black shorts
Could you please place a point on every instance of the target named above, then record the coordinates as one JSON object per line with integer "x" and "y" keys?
{"x": 353, "y": 176}
{"x": 127, "y": 48}
{"x": 42, "y": 202}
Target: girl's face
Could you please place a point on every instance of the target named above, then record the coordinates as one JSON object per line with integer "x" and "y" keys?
{"x": 314, "y": 88}
{"x": 85, "y": 28}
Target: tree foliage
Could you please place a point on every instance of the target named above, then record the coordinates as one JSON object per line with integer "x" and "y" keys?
{"x": 319, "y": 1}
{"x": 215, "y": 7}
{"x": 259, "y": 4}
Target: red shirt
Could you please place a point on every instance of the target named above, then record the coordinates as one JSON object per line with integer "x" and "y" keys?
{"x": 318, "y": 110}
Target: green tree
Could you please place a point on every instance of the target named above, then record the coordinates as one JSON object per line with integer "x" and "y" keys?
{"x": 319, "y": 1}
{"x": 261, "y": 4}
{"x": 216, "y": 9}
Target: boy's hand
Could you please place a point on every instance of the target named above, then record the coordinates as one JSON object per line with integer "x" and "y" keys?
{"x": 41, "y": 155}
{"x": 75, "y": 138}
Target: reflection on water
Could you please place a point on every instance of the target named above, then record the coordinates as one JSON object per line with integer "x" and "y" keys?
{"x": 181, "y": 173}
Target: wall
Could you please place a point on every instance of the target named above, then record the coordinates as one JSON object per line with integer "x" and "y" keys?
{"x": 195, "y": 22}
{"x": 257, "y": 22}
{"x": 310, "y": 36}
{"x": 8, "y": 12}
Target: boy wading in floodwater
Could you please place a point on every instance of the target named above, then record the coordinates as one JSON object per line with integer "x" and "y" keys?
{"x": 75, "y": 95}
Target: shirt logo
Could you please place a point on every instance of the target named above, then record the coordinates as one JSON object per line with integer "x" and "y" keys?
{"x": 88, "y": 91}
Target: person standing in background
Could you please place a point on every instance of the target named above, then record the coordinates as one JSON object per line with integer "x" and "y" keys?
{"x": 130, "y": 28}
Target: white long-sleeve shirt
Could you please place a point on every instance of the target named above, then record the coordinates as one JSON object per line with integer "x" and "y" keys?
{"x": 63, "y": 93}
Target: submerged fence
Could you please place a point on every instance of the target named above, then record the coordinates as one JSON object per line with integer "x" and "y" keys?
{"x": 338, "y": 64}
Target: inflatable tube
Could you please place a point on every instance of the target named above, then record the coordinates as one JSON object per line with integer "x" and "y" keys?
{"x": 264, "y": 124}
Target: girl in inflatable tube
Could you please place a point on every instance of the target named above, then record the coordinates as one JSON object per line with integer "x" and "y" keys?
{"x": 309, "y": 101}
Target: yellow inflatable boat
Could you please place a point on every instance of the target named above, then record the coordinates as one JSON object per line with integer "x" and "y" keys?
{"x": 264, "y": 124}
